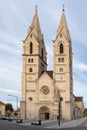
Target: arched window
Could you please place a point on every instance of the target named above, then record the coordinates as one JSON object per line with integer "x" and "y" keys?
{"x": 31, "y": 47}
{"x": 42, "y": 53}
{"x": 62, "y": 59}
{"x": 30, "y": 70}
{"x": 31, "y": 36}
{"x": 59, "y": 59}
{"x": 29, "y": 60}
{"x": 60, "y": 35}
{"x": 61, "y": 48}
{"x": 32, "y": 60}
{"x": 61, "y": 69}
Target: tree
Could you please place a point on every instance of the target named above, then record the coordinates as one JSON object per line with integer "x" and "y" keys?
{"x": 9, "y": 107}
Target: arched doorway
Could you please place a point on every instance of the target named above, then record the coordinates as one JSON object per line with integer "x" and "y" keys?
{"x": 44, "y": 113}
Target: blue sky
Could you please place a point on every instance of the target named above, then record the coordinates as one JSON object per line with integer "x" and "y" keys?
{"x": 15, "y": 19}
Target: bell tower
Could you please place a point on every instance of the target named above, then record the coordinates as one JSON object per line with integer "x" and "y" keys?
{"x": 34, "y": 63}
{"x": 63, "y": 66}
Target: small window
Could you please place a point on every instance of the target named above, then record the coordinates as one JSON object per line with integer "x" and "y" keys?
{"x": 61, "y": 69}
{"x": 62, "y": 59}
{"x": 30, "y": 35}
{"x": 59, "y": 59}
{"x": 60, "y": 35}
{"x": 29, "y": 60}
{"x": 61, "y": 78}
{"x": 32, "y": 60}
{"x": 30, "y": 98}
{"x": 30, "y": 70}
{"x": 42, "y": 53}
{"x": 42, "y": 41}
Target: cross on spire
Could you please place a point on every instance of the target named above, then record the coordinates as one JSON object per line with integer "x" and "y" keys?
{"x": 63, "y": 8}
{"x": 36, "y": 8}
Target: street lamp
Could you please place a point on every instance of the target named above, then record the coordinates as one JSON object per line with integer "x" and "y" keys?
{"x": 60, "y": 99}
{"x": 16, "y": 99}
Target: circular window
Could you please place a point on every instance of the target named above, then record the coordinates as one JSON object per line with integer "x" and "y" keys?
{"x": 30, "y": 99}
{"x": 45, "y": 90}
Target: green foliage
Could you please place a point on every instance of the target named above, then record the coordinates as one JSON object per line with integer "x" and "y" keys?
{"x": 15, "y": 113}
{"x": 85, "y": 113}
{"x": 9, "y": 107}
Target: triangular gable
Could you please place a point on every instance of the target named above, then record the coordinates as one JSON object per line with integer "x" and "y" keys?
{"x": 48, "y": 73}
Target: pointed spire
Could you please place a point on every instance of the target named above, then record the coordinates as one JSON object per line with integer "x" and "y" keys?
{"x": 35, "y": 21}
{"x": 63, "y": 28}
{"x": 35, "y": 26}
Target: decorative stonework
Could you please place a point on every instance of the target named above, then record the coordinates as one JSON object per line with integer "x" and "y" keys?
{"x": 42, "y": 89}
{"x": 45, "y": 90}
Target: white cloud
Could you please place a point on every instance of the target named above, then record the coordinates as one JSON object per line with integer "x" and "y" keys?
{"x": 10, "y": 91}
{"x": 80, "y": 66}
{"x": 10, "y": 99}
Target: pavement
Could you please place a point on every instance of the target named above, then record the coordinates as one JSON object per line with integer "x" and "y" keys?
{"x": 54, "y": 124}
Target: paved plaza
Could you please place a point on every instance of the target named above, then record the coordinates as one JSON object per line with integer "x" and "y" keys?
{"x": 54, "y": 124}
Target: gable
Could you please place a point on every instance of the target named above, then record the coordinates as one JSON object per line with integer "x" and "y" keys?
{"x": 47, "y": 75}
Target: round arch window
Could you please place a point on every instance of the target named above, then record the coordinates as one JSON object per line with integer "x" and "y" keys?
{"x": 30, "y": 98}
{"x": 45, "y": 90}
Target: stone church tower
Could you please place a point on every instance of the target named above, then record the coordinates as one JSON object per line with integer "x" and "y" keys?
{"x": 43, "y": 89}
{"x": 63, "y": 67}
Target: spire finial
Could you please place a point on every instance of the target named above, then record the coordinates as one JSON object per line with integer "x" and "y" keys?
{"x": 63, "y": 8}
{"x": 36, "y": 8}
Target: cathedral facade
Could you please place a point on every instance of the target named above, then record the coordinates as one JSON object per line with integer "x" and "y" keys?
{"x": 47, "y": 94}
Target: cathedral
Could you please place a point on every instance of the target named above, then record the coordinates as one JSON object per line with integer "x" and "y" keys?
{"x": 47, "y": 94}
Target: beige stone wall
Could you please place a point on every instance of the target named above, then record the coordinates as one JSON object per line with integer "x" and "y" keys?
{"x": 39, "y": 97}
{"x": 63, "y": 80}
{"x": 2, "y": 110}
{"x": 79, "y": 104}
{"x": 22, "y": 110}
{"x": 45, "y": 80}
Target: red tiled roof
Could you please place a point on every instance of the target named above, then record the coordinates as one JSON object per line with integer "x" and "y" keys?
{"x": 50, "y": 73}
{"x": 78, "y": 98}
{"x": 2, "y": 103}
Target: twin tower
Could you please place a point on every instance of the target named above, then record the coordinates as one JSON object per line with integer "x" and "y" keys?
{"x": 42, "y": 89}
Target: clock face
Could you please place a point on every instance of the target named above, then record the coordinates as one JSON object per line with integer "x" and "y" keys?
{"x": 45, "y": 90}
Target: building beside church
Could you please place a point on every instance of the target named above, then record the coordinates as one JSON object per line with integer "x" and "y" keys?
{"x": 2, "y": 109}
{"x": 79, "y": 107}
{"x": 42, "y": 89}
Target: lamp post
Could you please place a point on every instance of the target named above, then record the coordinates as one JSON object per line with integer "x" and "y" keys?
{"x": 60, "y": 99}
{"x": 16, "y": 99}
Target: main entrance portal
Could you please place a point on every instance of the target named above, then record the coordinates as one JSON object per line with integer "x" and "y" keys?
{"x": 44, "y": 113}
